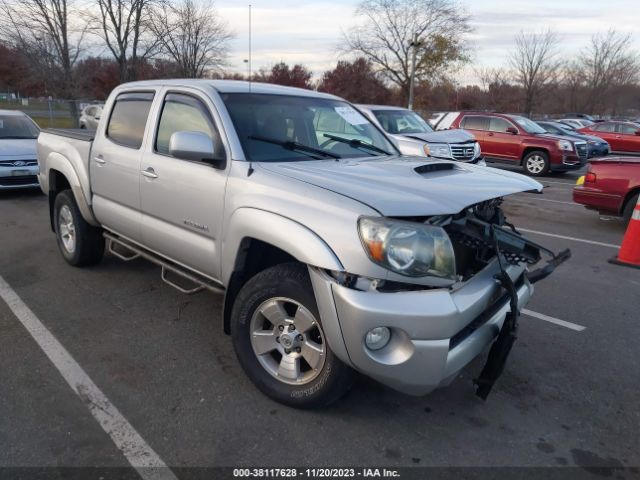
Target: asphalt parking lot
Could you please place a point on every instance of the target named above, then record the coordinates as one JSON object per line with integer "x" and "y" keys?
{"x": 568, "y": 398}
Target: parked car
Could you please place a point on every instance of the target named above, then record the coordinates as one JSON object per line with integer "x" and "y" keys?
{"x": 577, "y": 122}
{"x": 583, "y": 116}
{"x": 611, "y": 186}
{"x": 596, "y": 146}
{"x": 624, "y": 137}
{"x": 90, "y": 117}
{"x": 18, "y": 159}
{"x": 517, "y": 140}
{"x": 414, "y": 136}
{"x": 334, "y": 253}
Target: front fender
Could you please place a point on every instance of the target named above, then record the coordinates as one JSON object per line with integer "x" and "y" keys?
{"x": 284, "y": 233}
{"x": 60, "y": 163}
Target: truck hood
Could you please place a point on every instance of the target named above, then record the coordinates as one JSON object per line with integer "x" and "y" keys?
{"x": 442, "y": 136}
{"x": 407, "y": 186}
{"x": 18, "y": 149}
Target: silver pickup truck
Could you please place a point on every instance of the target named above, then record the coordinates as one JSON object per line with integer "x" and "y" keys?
{"x": 334, "y": 253}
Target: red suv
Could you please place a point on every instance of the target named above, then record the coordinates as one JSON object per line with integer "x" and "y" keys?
{"x": 622, "y": 136}
{"x": 517, "y": 140}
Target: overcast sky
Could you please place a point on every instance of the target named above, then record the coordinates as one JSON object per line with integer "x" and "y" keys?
{"x": 309, "y": 31}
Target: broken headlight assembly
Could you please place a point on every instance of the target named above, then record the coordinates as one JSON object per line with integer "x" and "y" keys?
{"x": 408, "y": 248}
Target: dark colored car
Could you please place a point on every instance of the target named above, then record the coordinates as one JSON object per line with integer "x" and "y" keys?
{"x": 517, "y": 140}
{"x": 596, "y": 146}
{"x": 624, "y": 137}
{"x": 611, "y": 186}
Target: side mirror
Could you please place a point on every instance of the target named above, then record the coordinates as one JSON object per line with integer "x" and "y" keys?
{"x": 195, "y": 146}
{"x": 512, "y": 130}
{"x": 637, "y": 132}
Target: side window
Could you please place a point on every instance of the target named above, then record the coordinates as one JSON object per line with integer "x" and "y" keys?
{"x": 627, "y": 129}
{"x": 497, "y": 124}
{"x": 605, "y": 127}
{"x": 183, "y": 113}
{"x": 475, "y": 123}
{"x": 129, "y": 118}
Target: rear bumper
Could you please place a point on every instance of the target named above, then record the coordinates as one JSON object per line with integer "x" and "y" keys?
{"x": 435, "y": 333}
{"x": 18, "y": 177}
{"x": 597, "y": 199}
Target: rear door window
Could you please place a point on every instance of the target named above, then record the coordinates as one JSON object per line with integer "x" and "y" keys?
{"x": 129, "y": 119}
{"x": 475, "y": 122}
{"x": 605, "y": 127}
{"x": 627, "y": 129}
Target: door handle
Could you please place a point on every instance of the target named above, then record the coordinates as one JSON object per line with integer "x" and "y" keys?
{"x": 149, "y": 173}
{"x": 490, "y": 134}
{"x": 618, "y": 136}
{"x": 99, "y": 160}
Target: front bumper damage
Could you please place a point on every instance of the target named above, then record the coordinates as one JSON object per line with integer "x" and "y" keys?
{"x": 436, "y": 332}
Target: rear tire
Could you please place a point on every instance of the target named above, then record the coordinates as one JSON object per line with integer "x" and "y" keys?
{"x": 629, "y": 206}
{"x": 80, "y": 243}
{"x": 536, "y": 163}
{"x": 279, "y": 341}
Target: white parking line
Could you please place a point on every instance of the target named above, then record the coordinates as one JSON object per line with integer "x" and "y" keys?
{"x": 139, "y": 454}
{"x": 571, "y": 184}
{"x": 557, "y": 321}
{"x": 546, "y": 200}
{"x": 592, "y": 242}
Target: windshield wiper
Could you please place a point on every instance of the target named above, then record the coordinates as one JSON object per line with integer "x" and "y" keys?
{"x": 17, "y": 137}
{"x": 355, "y": 143}
{"x": 291, "y": 145}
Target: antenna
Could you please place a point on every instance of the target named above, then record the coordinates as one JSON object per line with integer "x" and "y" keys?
{"x": 250, "y": 71}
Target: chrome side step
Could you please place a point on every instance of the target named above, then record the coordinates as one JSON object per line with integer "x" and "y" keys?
{"x": 128, "y": 251}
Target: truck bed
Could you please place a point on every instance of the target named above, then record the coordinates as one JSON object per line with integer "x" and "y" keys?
{"x": 75, "y": 133}
{"x": 75, "y": 147}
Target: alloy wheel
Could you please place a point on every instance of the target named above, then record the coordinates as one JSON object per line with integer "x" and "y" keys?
{"x": 67, "y": 229}
{"x": 288, "y": 341}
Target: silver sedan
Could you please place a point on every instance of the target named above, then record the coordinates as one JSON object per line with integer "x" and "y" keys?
{"x": 18, "y": 157}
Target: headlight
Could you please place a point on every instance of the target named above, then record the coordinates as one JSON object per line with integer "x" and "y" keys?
{"x": 476, "y": 150}
{"x": 408, "y": 248}
{"x": 440, "y": 150}
{"x": 565, "y": 145}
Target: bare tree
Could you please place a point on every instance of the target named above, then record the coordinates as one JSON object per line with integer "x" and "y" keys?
{"x": 572, "y": 81}
{"x": 124, "y": 25}
{"x": 536, "y": 64}
{"x": 386, "y": 31}
{"x": 48, "y": 31}
{"x": 193, "y": 35}
{"x": 608, "y": 63}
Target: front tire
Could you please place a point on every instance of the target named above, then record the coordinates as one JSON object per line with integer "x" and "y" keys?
{"x": 280, "y": 343}
{"x": 536, "y": 163}
{"x": 80, "y": 243}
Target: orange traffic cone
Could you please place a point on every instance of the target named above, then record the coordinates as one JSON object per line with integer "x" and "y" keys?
{"x": 629, "y": 254}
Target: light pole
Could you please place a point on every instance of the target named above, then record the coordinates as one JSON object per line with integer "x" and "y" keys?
{"x": 415, "y": 43}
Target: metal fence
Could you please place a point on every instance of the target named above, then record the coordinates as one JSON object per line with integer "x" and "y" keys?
{"x": 48, "y": 112}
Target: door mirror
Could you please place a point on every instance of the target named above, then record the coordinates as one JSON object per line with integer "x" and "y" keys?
{"x": 637, "y": 132}
{"x": 195, "y": 146}
{"x": 512, "y": 130}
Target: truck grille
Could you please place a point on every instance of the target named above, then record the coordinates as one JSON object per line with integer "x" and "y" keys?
{"x": 18, "y": 163}
{"x": 463, "y": 152}
{"x": 581, "y": 150}
{"x": 22, "y": 180}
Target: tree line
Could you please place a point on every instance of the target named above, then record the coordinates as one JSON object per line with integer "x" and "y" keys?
{"x": 45, "y": 45}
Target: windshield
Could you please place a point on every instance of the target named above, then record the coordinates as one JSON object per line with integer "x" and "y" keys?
{"x": 528, "y": 125}
{"x": 17, "y": 127}
{"x": 401, "y": 122}
{"x": 274, "y": 128}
